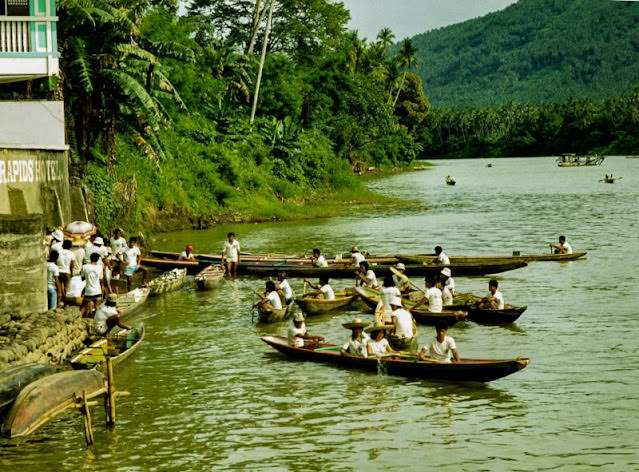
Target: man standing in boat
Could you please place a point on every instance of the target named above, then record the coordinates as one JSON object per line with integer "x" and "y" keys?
{"x": 231, "y": 252}
{"x": 563, "y": 247}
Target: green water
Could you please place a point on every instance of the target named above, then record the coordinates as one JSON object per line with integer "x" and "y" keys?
{"x": 207, "y": 394}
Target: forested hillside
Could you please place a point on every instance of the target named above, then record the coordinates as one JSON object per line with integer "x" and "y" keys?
{"x": 535, "y": 51}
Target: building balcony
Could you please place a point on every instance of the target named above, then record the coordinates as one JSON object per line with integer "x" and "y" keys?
{"x": 28, "y": 40}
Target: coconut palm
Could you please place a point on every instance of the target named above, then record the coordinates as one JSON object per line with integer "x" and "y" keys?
{"x": 407, "y": 60}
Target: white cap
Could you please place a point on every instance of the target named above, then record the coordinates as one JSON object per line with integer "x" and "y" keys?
{"x": 396, "y": 301}
{"x": 58, "y": 235}
{"x": 400, "y": 266}
{"x": 298, "y": 317}
{"x": 445, "y": 271}
{"x": 98, "y": 241}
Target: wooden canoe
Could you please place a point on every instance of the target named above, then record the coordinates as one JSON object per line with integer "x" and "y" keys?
{"x": 508, "y": 315}
{"x": 417, "y": 259}
{"x": 210, "y": 277}
{"x": 472, "y": 370}
{"x": 339, "y": 272}
{"x": 129, "y": 302}
{"x": 318, "y": 306}
{"x": 192, "y": 267}
{"x": 40, "y": 401}
{"x": 168, "y": 282}
{"x": 14, "y": 379}
{"x": 118, "y": 347}
{"x": 273, "y": 316}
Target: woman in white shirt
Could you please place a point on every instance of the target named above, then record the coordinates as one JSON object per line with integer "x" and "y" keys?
{"x": 366, "y": 275}
{"x": 378, "y": 344}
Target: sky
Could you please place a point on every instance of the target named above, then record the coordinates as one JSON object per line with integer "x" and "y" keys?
{"x": 410, "y": 17}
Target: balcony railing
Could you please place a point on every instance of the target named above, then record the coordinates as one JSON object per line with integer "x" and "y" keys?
{"x": 15, "y": 35}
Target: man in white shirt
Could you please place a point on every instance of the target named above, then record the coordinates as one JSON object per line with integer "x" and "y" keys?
{"x": 318, "y": 260}
{"x": 271, "y": 300}
{"x": 447, "y": 297}
{"x": 448, "y": 280}
{"x": 402, "y": 320}
{"x": 322, "y": 290}
{"x": 73, "y": 294}
{"x": 299, "y": 337}
{"x": 563, "y": 247}
{"x": 357, "y": 256}
{"x": 284, "y": 288}
{"x": 231, "y": 253}
{"x": 56, "y": 240}
{"x": 54, "y": 289}
{"x": 65, "y": 262}
{"x": 432, "y": 296}
{"x": 402, "y": 283}
{"x": 118, "y": 246}
{"x": 107, "y": 316}
{"x": 441, "y": 258}
{"x": 187, "y": 254}
{"x": 356, "y": 344}
{"x": 494, "y": 300}
{"x": 441, "y": 349}
{"x": 92, "y": 274}
{"x": 132, "y": 257}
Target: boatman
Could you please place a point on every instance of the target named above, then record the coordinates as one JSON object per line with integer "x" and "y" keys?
{"x": 441, "y": 349}
{"x": 447, "y": 297}
{"x": 187, "y": 254}
{"x": 494, "y": 300}
{"x": 322, "y": 290}
{"x": 432, "y": 296}
{"x": 356, "y": 344}
{"x": 299, "y": 337}
{"x": 366, "y": 275}
{"x": 107, "y": 316}
{"x": 357, "y": 256}
{"x": 284, "y": 288}
{"x": 449, "y": 283}
{"x": 318, "y": 260}
{"x": 271, "y": 301}
{"x": 441, "y": 258}
{"x": 563, "y": 247}
{"x": 231, "y": 252}
{"x": 401, "y": 283}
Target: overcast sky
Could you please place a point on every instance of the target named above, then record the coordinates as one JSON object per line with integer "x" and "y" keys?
{"x": 411, "y": 17}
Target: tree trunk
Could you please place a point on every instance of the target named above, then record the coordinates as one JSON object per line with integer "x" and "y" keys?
{"x": 262, "y": 60}
{"x": 401, "y": 86}
{"x": 257, "y": 19}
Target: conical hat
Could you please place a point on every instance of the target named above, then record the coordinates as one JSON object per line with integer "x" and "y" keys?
{"x": 356, "y": 323}
{"x": 379, "y": 328}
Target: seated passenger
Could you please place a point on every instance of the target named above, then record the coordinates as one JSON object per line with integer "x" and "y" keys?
{"x": 271, "y": 301}
{"x": 318, "y": 260}
{"x": 441, "y": 349}
{"x": 447, "y": 297}
{"x": 107, "y": 316}
{"x": 378, "y": 345}
{"x": 402, "y": 283}
{"x": 357, "y": 256}
{"x": 448, "y": 280}
{"x": 402, "y": 320}
{"x": 494, "y": 300}
{"x": 366, "y": 275}
{"x": 441, "y": 258}
{"x": 432, "y": 296}
{"x": 187, "y": 254}
{"x": 356, "y": 345}
{"x": 322, "y": 290}
{"x": 299, "y": 337}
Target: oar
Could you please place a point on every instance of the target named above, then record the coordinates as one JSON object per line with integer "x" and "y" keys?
{"x": 304, "y": 290}
{"x": 404, "y": 277}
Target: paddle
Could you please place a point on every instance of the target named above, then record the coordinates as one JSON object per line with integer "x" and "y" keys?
{"x": 405, "y": 278}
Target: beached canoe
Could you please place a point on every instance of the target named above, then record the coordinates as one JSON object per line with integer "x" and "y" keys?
{"x": 14, "y": 379}
{"x": 339, "y": 272}
{"x": 474, "y": 370}
{"x": 40, "y": 401}
{"x": 508, "y": 315}
{"x": 210, "y": 277}
{"x": 272, "y": 316}
{"x": 420, "y": 258}
{"x": 118, "y": 347}
{"x": 318, "y": 306}
{"x": 192, "y": 267}
{"x": 129, "y": 302}
{"x": 168, "y": 282}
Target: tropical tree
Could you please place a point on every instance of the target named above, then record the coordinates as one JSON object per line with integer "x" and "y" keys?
{"x": 407, "y": 59}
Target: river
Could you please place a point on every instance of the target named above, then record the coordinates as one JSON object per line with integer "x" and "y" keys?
{"x": 207, "y": 394}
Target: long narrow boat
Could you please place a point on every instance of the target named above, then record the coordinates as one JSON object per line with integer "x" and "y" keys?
{"x": 272, "y": 316}
{"x": 168, "y": 282}
{"x": 420, "y": 258}
{"x": 129, "y": 302}
{"x": 118, "y": 347}
{"x": 467, "y": 269}
{"x": 14, "y": 379}
{"x": 473, "y": 370}
{"x": 40, "y": 401}
{"x": 192, "y": 267}
{"x": 210, "y": 277}
{"x": 508, "y": 315}
{"x": 319, "y": 306}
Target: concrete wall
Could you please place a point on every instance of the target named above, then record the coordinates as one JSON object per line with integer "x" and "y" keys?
{"x": 32, "y": 125}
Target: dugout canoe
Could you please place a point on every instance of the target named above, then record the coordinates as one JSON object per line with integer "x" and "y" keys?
{"x": 319, "y": 306}
{"x": 40, "y": 401}
{"x": 508, "y": 315}
{"x": 192, "y": 267}
{"x": 14, "y": 379}
{"x": 338, "y": 272}
{"x": 273, "y": 316}
{"x": 168, "y": 282}
{"x": 471, "y": 370}
{"x": 210, "y": 277}
{"x": 118, "y": 347}
{"x": 418, "y": 259}
{"x": 129, "y": 302}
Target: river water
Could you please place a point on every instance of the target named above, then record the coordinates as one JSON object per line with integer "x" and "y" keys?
{"x": 207, "y": 394}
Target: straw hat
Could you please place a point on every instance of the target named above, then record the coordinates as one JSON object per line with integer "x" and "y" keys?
{"x": 58, "y": 235}
{"x": 354, "y": 249}
{"x": 98, "y": 241}
{"x": 79, "y": 241}
{"x": 356, "y": 323}
{"x": 112, "y": 297}
{"x": 445, "y": 271}
{"x": 400, "y": 266}
{"x": 379, "y": 328}
{"x": 396, "y": 301}
{"x": 298, "y": 317}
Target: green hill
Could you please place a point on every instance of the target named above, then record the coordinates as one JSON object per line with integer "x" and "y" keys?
{"x": 535, "y": 51}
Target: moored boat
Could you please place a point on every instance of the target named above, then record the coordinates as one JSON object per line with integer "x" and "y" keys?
{"x": 272, "y": 316}
{"x": 118, "y": 347}
{"x": 40, "y": 401}
{"x": 546, "y": 257}
{"x": 129, "y": 302}
{"x": 574, "y": 160}
{"x": 508, "y": 315}
{"x": 318, "y": 306}
{"x": 475, "y": 370}
{"x": 14, "y": 379}
{"x": 210, "y": 277}
{"x": 167, "y": 282}
{"x": 192, "y": 267}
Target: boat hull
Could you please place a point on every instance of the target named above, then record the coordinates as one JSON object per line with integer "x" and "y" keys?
{"x": 318, "y": 306}
{"x": 191, "y": 267}
{"x": 119, "y": 348}
{"x": 474, "y": 370}
{"x": 417, "y": 259}
{"x": 129, "y": 302}
{"x": 210, "y": 277}
{"x": 509, "y": 315}
{"x": 14, "y": 379}
{"x": 274, "y": 316}
{"x": 161, "y": 285}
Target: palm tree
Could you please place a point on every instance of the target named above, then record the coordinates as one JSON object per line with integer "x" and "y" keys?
{"x": 385, "y": 38}
{"x": 258, "y": 80}
{"x": 407, "y": 59}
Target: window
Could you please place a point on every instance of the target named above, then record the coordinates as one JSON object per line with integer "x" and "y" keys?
{"x": 17, "y": 7}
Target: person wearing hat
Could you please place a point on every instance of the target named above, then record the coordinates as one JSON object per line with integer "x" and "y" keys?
{"x": 56, "y": 240}
{"x": 357, "y": 256}
{"x": 441, "y": 258}
{"x": 441, "y": 349}
{"x": 356, "y": 345}
{"x": 187, "y": 254}
{"x": 107, "y": 316}
{"x": 448, "y": 280}
{"x": 401, "y": 283}
{"x": 378, "y": 344}
{"x": 402, "y": 320}
{"x": 366, "y": 275}
{"x": 432, "y": 296}
{"x": 299, "y": 337}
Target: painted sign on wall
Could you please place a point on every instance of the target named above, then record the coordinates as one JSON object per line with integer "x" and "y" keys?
{"x": 22, "y": 171}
